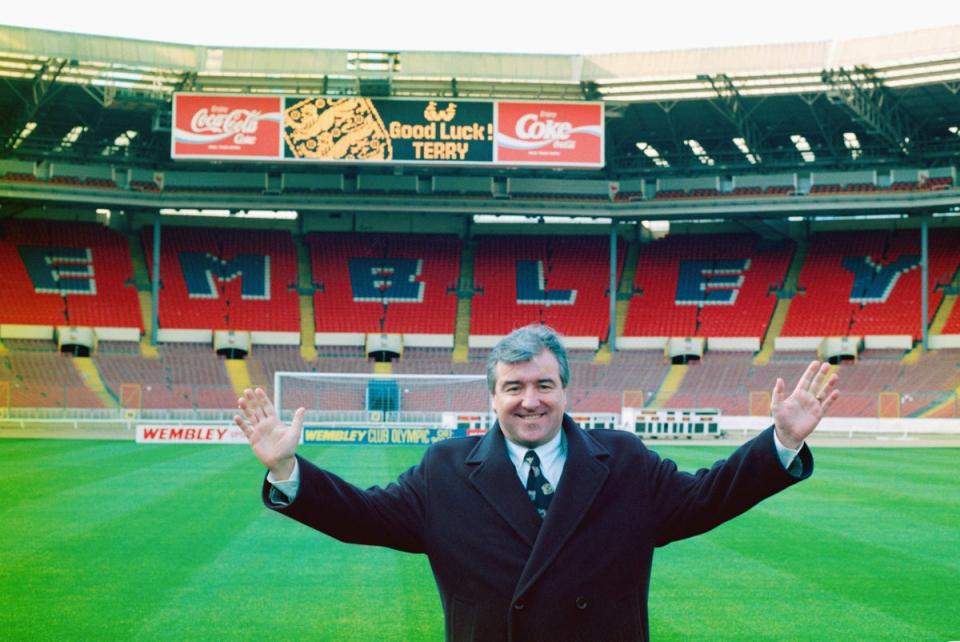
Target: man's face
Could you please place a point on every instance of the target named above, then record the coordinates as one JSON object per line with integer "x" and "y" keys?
{"x": 529, "y": 400}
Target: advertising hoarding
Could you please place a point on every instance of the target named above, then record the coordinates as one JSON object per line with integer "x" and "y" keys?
{"x": 354, "y": 130}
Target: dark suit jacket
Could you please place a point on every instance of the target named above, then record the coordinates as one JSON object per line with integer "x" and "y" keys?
{"x": 582, "y": 573}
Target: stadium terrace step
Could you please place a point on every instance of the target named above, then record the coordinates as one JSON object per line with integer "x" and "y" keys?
{"x": 239, "y": 375}
{"x": 91, "y": 377}
{"x": 307, "y": 329}
{"x": 670, "y": 385}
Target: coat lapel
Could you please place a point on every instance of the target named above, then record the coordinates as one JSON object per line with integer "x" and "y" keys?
{"x": 496, "y": 478}
{"x": 583, "y": 476}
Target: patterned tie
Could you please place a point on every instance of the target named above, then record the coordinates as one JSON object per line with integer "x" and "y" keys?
{"x": 538, "y": 488}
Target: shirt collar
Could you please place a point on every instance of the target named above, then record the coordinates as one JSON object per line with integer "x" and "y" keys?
{"x": 547, "y": 452}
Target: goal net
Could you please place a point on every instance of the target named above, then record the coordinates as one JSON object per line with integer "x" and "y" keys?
{"x": 459, "y": 403}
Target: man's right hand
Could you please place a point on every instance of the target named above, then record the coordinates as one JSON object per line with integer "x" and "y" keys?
{"x": 273, "y": 443}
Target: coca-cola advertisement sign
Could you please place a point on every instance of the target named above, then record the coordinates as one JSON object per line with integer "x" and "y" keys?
{"x": 355, "y": 129}
{"x": 557, "y": 134}
{"x": 217, "y": 126}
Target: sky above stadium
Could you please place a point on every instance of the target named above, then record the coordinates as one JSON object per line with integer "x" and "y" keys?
{"x": 517, "y": 26}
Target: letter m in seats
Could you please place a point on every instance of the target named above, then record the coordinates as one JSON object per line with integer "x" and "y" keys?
{"x": 710, "y": 282}
{"x": 202, "y": 271}
{"x": 59, "y": 270}
{"x": 386, "y": 280}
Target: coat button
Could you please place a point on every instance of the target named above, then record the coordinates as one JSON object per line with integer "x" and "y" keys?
{"x": 581, "y": 602}
{"x": 519, "y": 604}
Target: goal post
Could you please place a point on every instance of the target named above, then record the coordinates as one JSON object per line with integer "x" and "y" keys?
{"x": 384, "y": 408}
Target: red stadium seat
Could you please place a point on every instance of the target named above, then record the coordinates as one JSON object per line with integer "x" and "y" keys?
{"x": 827, "y": 304}
{"x": 249, "y": 294}
{"x": 414, "y": 293}
{"x": 89, "y": 284}
{"x": 568, "y": 279}
{"x": 657, "y": 312}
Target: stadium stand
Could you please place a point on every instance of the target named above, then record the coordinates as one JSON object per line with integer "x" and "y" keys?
{"x": 226, "y": 279}
{"x": 185, "y": 376}
{"x": 432, "y": 361}
{"x": 560, "y": 281}
{"x": 266, "y": 360}
{"x": 602, "y": 388}
{"x": 853, "y": 282}
{"x": 722, "y": 381}
{"x": 144, "y": 186}
{"x": 191, "y": 377}
{"x": 929, "y": 387}
{"x": 725, "y": 381}
{"x": 858, "y": 283}
{"x": 214, "y": 184}
{"x": 952, "y": 325}
{"x": 66, "y": 273}
{"x": 706, "y": 286}
{"x": 393, "y": 283}
{"x": 44, "y": 379}
{"x": 819, "y": 189}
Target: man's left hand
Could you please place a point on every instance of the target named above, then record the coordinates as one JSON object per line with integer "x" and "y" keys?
{"x": 796, "y": 416}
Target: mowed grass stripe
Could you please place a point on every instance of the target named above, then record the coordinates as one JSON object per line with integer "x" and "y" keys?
{"x": 925, "y": 465}
{"x": 886, "y": 530}
{"x": 907, "y": 522}
{"x": 703, "y": 590}
{"x": 122, "y": 545}
{"x": 60, "y": 465}
{"x": 892, "y": 548}
{"x": 394, "y": 596}
{"x": 289, "y": 582}
{"x": 929, "y": 504}
{"x": 851, "y": 568}
{"x": 72, "y": 500}
{"x": 220, "y": 565}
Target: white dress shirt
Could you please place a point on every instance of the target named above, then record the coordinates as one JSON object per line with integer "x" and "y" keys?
{"x": 553, "y": 456}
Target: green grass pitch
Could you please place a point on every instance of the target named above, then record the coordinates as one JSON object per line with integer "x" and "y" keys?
{"x": 103, "y": 540}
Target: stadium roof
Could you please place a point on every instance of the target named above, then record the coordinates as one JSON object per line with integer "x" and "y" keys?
{"x": 898, "y": 96}
{"x": 601, "y": 26}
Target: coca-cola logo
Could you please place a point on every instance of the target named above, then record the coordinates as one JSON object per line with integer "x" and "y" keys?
{"x": 225, "y": 122}
{"x": 532, "y": 127}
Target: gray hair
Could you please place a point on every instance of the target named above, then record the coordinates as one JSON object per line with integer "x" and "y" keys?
{"x": 523, "y": 344}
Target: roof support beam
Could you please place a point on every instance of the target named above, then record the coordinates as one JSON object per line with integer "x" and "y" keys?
{"x": 730, "y": 104}
{"x": 43, "y": 87}
{"x": 676, "y": 144}
{"x": 830, "y": 138}
{"x": 864, "y": 95}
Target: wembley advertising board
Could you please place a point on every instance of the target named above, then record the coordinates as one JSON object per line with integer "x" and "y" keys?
{"x": 386, "y": 130}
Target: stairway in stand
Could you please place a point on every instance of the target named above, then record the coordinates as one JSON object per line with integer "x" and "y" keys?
{"x": 94, "y": 382}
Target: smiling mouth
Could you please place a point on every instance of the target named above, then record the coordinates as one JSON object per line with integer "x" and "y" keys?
{"x": 531, "y": 417}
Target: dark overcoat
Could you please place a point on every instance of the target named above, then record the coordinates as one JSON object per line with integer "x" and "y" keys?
{"x": 583, "y": 573}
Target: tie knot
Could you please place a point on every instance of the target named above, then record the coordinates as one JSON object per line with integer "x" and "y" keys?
{"x": 531, "y": 458}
